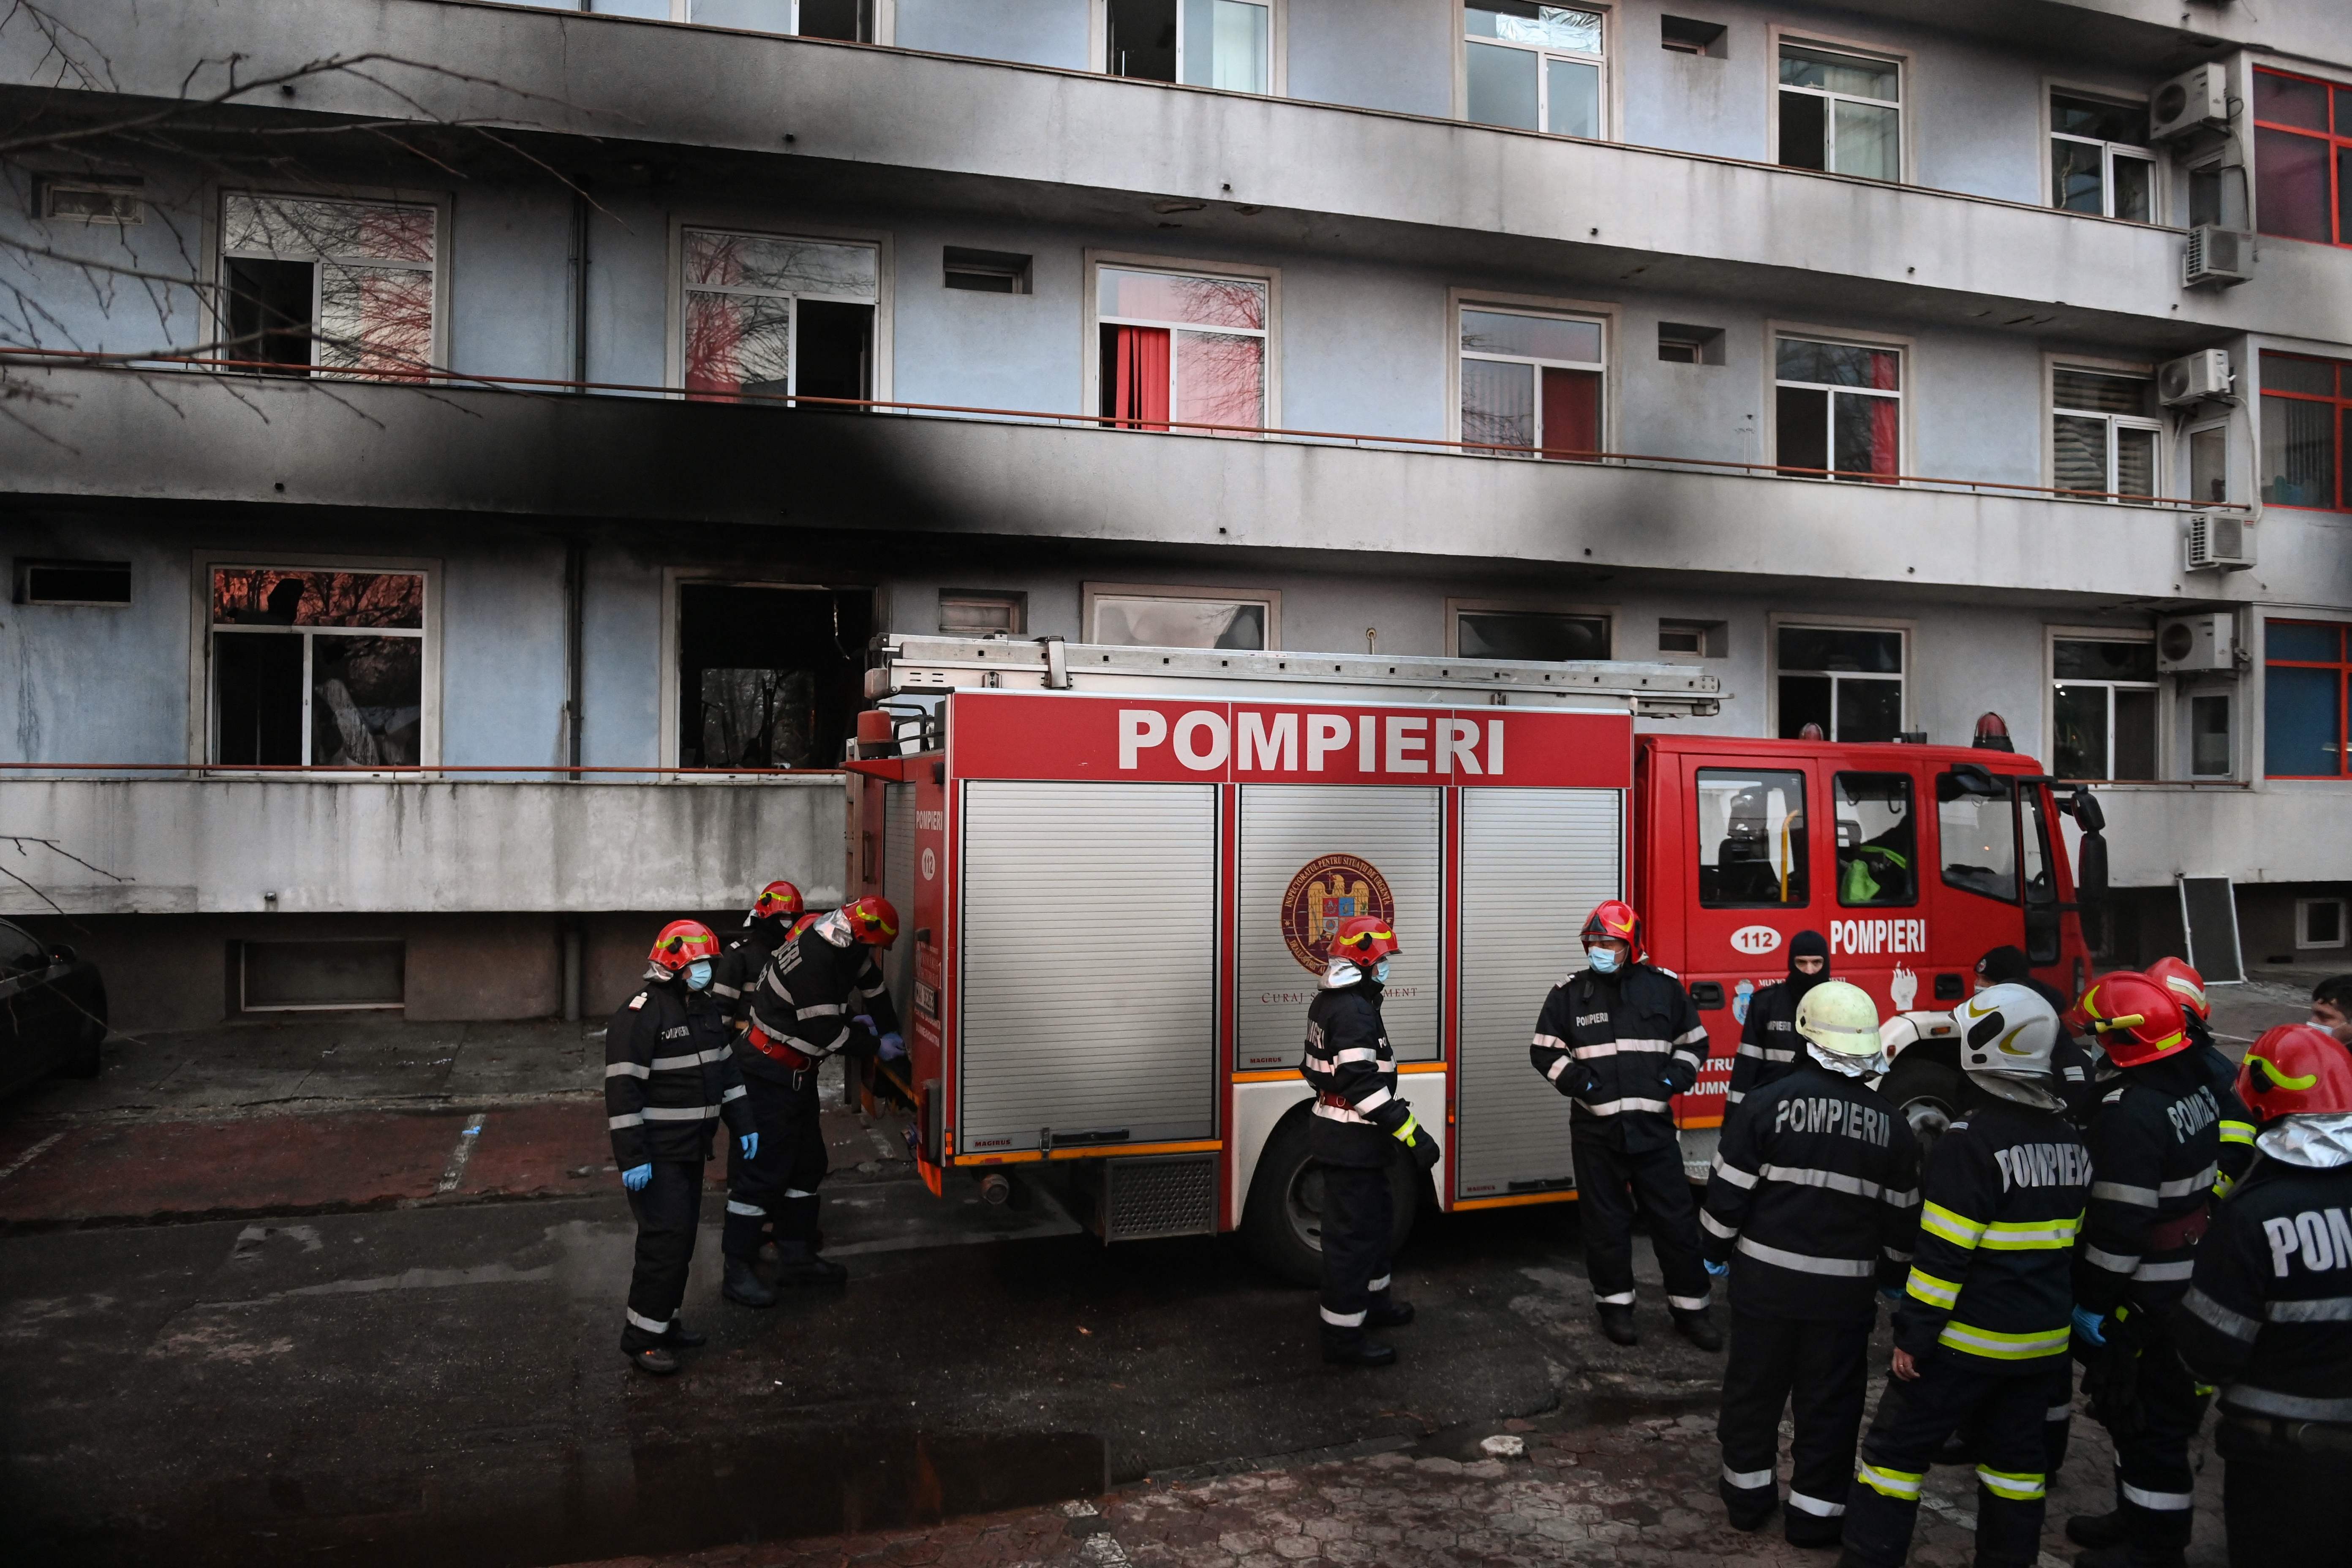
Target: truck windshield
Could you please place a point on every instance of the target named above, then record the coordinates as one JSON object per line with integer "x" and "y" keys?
{"x": 1979, "y": 837}
{"x": 1751, "y": 838}
{"x": 1877, "y": 841}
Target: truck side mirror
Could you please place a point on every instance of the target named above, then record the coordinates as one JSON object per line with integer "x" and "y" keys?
{"x": 2091, "y": 869}
{"x": 2088, "y": 812}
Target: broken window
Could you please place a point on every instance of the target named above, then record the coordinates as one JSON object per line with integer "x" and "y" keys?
{"x": 317, "y": 668}
{"x": 772, "y": 316}
{"x": 331, "y": 287}
{"x": 1181, "y": 617}
{"x": 769, "y": 677}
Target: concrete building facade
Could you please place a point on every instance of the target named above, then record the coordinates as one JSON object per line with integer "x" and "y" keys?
{"x": 503, "y": 389}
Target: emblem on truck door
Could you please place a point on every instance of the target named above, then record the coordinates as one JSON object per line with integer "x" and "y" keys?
{"x": 1326, "y": 892}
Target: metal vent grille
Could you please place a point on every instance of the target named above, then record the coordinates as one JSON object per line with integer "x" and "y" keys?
{"x": 1165, "y": 1194}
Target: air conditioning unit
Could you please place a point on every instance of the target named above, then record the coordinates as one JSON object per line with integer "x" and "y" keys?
{"x": 2197, "y": 644}
{"x": 2216, "y": 542}
{"x": 2215, "y": 257}
{"x": 2193, "y": 378}
{"x": 2194, "y": 100}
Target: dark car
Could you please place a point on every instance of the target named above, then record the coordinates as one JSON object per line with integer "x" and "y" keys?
{"x": 52, "y": 1009}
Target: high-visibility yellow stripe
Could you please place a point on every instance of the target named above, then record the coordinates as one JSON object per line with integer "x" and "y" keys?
{"x": 1901, "y": 1484}
{"x": 1957, "y": 1228}
{"x": 1996, "y": 1346}
{"x": 2237, "y": 1132}
{"x": 1928, "y": 1289}
{"x": 2013, "y": 1485}
{"x": 2030, "y": 1235}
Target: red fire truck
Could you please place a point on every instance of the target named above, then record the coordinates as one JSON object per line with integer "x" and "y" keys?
{"x": 1118, "y": 867}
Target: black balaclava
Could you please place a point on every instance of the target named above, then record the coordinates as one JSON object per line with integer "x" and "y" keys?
{"x": 1807, "y": 945}
{"x": 2005, "y": 966}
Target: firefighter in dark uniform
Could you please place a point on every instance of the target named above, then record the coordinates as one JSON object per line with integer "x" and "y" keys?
{"x": 2188, "y": 988}
{"x": 1768, "y": 1045}
{"x": 2268, "y": 1312}
{"x": 817, "y": 990}
{"x": 670, "y": 1079}
{"x": 1983, "y": 1327}
{"x": 2156, "y": 1146}
{"x": 1814, "y": 1204}
{"x": 1358, "y": 1114}
{"x": 1622, "y": 1038}
{"x": 765, "y": 929}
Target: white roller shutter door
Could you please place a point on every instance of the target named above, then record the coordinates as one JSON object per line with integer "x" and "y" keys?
{"x": 1534, "y": 862}
{"x": 898, "y": 886}
{"x": 1284, "y": 828}
{"x": 1089, "y": 963}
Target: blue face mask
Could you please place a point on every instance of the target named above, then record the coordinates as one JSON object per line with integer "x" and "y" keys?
{"x": 698, "y": 975}
{"x": 1603, "y": 959}
{"x": 1381, "y": 970}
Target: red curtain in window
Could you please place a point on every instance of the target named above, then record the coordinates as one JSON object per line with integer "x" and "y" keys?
{"x": 1138, "y": 368}
{"x": 1571, "y": 412}
{"x": 1885, "y": 416}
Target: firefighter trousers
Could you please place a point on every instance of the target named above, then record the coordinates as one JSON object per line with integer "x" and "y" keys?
{"x": 2156, "y": 1491}
{"x": 1611, "y": 1186}
{"x": 782, "y": 1183}
{"x": 669, "y": 1211}
{"x": 2284, "y": 1499}
{"x": 1822, "y": 1367}
{"x": 1357, "y": 1212}
{"x": 1915, "y": 1420}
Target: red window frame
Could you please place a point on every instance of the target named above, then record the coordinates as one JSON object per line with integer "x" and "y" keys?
{"x": 2342, "y": 666}
{"x": 2337, "y": 139}
{"x": 2340, "y": 401}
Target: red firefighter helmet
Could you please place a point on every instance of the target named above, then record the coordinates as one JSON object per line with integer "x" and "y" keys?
{"x": 2136, "y": 1019}
{"x": 2296, "y": 1070}
{"x": 775, "y": 900}
{"x": 873, "y": 919}
{"x": 1364, "y": 940}
{"x": 1615, "y": 918}
{"x": 2187, "y": 987}
{"x": 680, "y": 943}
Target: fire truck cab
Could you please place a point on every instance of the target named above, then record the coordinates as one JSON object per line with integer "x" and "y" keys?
{"x": 1116, "y": 868}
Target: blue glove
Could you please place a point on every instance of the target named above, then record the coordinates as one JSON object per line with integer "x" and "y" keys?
{"x": 1718, "y": 1269}
{"x": 894, "y": 1047}
{"x": 635, "y": 1177}
{"x": 863, "y": 1021}
{"x": 1892, "y": 1296}
{"x": 750, "y": 1145}
{"x": 2090, "y": 1325}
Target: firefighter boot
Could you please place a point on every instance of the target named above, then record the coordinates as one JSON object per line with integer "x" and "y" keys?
{"x": 681, "y": 1338}
{"x": 1699, "y": 1328}
{"x": 655, "y": 1360}
{"x": 1349, "y": 1347}
{"x": 2129, "y": 1553}
{"x": 1617, "y": 1322}
{"x": 744, "y": 1286}
{"x": 799, "y": 1266}
{"x": 2096, "y": 1528}
{"x": 1389, "y": 1314}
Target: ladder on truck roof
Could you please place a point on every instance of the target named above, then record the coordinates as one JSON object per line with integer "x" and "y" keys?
{"x": 921, "y": 665}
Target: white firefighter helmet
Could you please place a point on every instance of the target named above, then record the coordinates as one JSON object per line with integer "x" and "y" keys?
{"x": 2007, "y": 1031}
{"x": 1840, "y": 1019}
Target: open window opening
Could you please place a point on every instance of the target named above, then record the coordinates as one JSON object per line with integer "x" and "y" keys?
{"x": 1840, "y": 111}
{"x": 769, "y": 677}
{"x": 1845, "y": 682}
{"x": 1689, "y": 36}
{"x": 327, "y": 286}
{"x": 1224, "y": 43}
{"x": 769, "y": 315}
{"x": 850, "y": 21}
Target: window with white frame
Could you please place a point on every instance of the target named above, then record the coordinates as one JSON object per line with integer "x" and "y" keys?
{"x": 1127, "y": 616}
{"x": 1845, "y": 682}
{"x": 2103, "y": 706}
{"x": 1531, "y": 381}
{"x": 2100, "y": 158}
{"x": 2319, "y": 922}
{"x": 1190, "y": 347}
{"x": 852, "y": 21}
{"x": 772, "y": 315}
{"x": 1838, "y": 409}
{"x": 1226, "y": 44}
{"x": 2213, "y": 751}
{"x": 1537, "y": 68}
{"x": 1841, "y": 110}
{"x": 2104, "y": 439}
{"x": 311, "y": 286}
{"x": 316, "y": 666}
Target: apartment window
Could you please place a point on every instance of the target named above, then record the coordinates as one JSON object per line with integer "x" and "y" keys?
{"x": 2303, "y": 157}
{"x": 1226, "y": 44}
{"x": 1877, "y": 841}
{"x": 972, "y": 612}
{"x": 1534, "y": 67}
{"x": 986, "y": 271}
{"x": 1531, "y": 381}
{"x": 314, "y": 667}
{"x": 2100, "y": 163}
{"x": 1751, "y": 833}
{"x": 852, "y": 21}
{"x": 1699, "y": 639}
{"x": 1689, "y": 36}
{"x": 2103, "y": 707}
{"x": 1183, "y": 617}
{"x": 2209, "y": 462}
{"x": 116, "y": 202}
{"x": 1847, "y": 679}
{"x": 1181, "y": 346}
{"x": 1840, "y": 111}
{"x": 2212, "y": 752}
{"x": 105, "y": 584}
{"x": 1679, "y": 343}
{"x": 769, "y": 315}
{"x": 1838, "y": 406}
{"x": 2104, "y": 435}
{"x": 769, "y": 677}
{"x": 2308, "y": 670}
{"x": 2319, "y": 922}
{"x": 1528, "y": 633}
{"x": 2307, "y": 425}
{"x": 328, "y": 286}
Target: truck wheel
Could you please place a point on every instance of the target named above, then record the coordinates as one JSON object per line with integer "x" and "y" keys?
{"x": 1282, "y": 1223}
{"x": 1928, "y": 1094}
